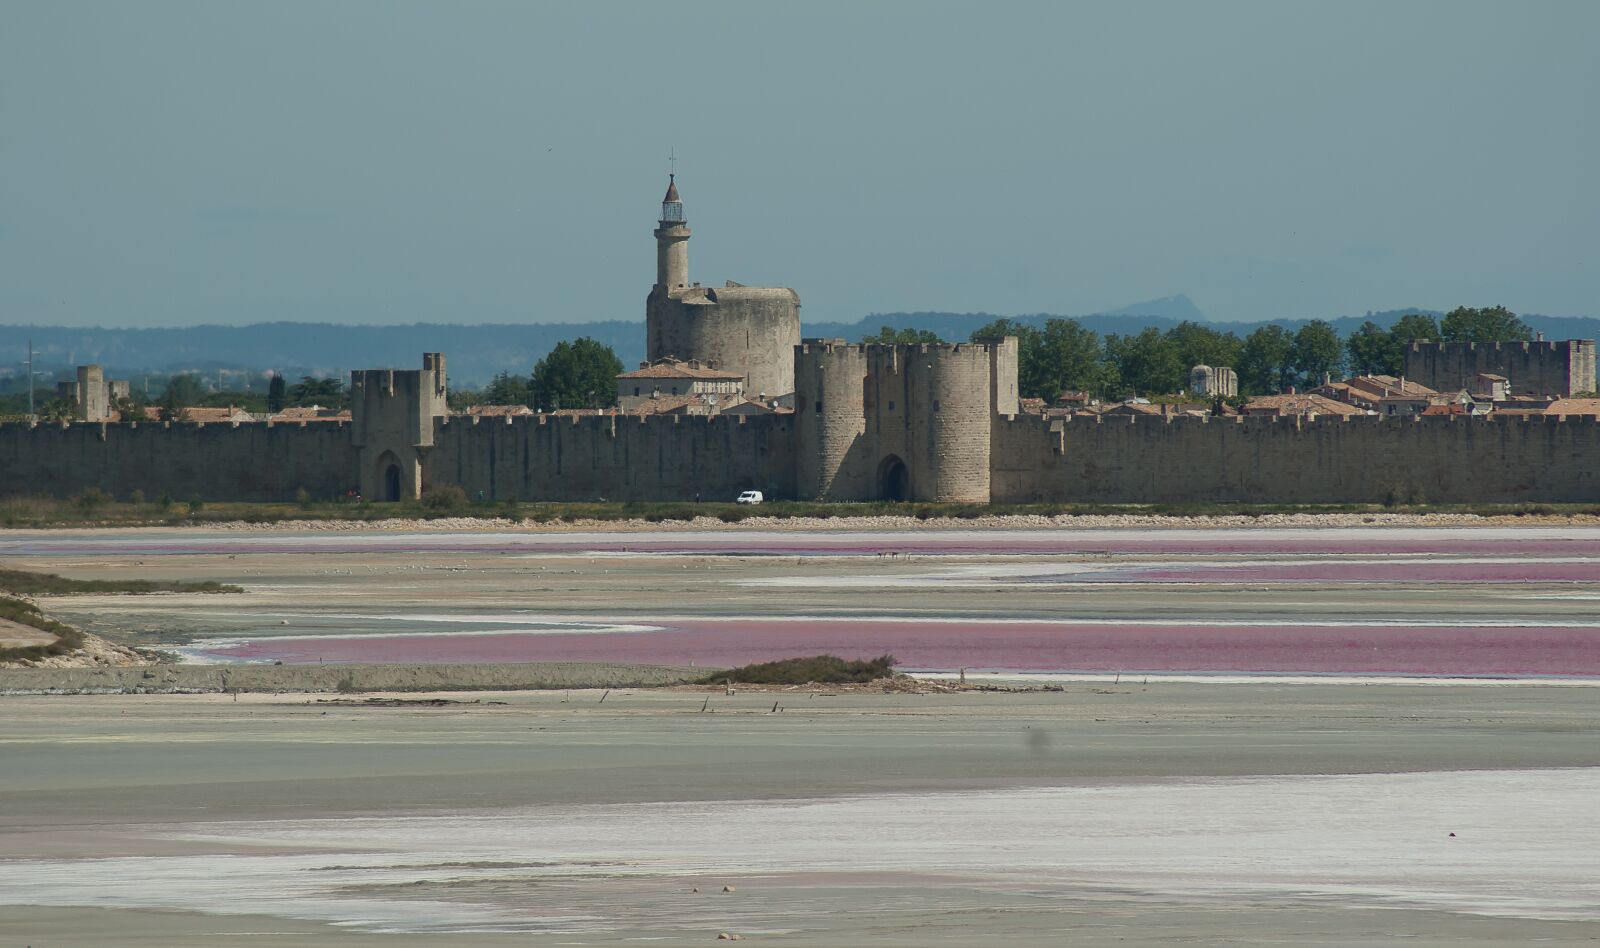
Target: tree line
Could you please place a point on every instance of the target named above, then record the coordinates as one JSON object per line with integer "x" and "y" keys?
{"x": 1063, "y": 356}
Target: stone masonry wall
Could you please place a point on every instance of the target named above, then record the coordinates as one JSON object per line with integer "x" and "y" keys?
{"x": 1542, "y": 368}
{"x": 1131, "y": 459}
{"x": 743, "y": 328}
{"x": 217, "y": 462}
{"x": 617, "y": 458}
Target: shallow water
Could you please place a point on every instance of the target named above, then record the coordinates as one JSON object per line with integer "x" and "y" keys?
{"x": 1501, "y": 601}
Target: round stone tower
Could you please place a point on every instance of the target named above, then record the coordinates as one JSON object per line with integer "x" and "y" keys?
{"x": 751, "y": 330}
{"x": 830, "y": 419}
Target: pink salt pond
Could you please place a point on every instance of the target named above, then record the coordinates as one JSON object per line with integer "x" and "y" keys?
{"x": 1021, "y": 646}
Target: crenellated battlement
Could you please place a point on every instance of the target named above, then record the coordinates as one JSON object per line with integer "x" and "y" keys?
{"x": 1560, "y": 368}
{"x": 810, "y": 347}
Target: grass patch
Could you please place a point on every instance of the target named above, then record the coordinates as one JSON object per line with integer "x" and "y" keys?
{"x": 26, "y": 613}
{"x": 818, "y": 669}
{"x": 48, "y": 512}
{"x": 25, "y": 583}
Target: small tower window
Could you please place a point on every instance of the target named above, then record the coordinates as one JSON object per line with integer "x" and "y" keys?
{"x": 891, "y": 404}
{"x": 935, "y": 404}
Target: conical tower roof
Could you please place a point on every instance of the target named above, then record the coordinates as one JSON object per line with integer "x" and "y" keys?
{"x": 672, "y": 191}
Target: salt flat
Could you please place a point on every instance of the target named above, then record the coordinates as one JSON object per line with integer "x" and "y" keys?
{"x": 1290, "y": 772}
{"x": 1159, "y": 813}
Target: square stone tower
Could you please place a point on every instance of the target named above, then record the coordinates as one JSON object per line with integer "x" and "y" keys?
{"x": 391, "y": 426}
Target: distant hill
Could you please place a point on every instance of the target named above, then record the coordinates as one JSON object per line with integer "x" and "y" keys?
{"x": 476, "y": 353}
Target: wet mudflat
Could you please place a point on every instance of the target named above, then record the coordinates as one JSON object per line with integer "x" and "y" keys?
{"x": 1496, "y": 601}
{"x": 1160, "y": 813}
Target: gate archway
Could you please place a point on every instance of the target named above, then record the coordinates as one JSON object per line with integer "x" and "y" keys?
{"x": 894, "y": 480}
{"x": 390, "y": 476}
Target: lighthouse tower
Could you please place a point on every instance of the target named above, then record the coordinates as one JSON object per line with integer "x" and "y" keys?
{"x": 672, "y": 241}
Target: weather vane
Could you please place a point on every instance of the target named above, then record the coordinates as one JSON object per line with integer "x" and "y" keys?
{"x": 672, "y": 162}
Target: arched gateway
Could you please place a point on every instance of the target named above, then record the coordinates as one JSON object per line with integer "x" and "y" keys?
{"x": 894, "y": 481}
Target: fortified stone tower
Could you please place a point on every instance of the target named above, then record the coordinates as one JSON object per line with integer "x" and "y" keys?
{"x": 745, "y": 329}
{"x": 1544, "y": 367}
{"x": 391, "y": 425}
{"x": 908, "y": 422}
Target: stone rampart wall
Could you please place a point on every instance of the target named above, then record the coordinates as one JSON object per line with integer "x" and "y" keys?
{"x": 216, "y": 462}
{"x": 617, "y": 458}
{"x": 1547, "y": 367}
{"x": 1131, "y": 459}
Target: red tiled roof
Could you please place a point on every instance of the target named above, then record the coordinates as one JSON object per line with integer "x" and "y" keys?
{"x": 1300, "y": 404}
{"x": 498, "y": 411}
{"x": 1574, "y": 406}
{"x": 310, "y": 413}
{"x": 673, "y": 369}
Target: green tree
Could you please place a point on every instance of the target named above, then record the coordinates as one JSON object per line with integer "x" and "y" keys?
{"x": 1316, "y": 351}
{"x": 577, "y": 374}
{"x": 1071, "y": 358}
{"x": 182, "y": 392}
{"x": 1485, "y": 324}
{"x": 506, "y": 389}
{"x": 1413, "y": 326}
{"x": 1373, "y": 350}
{"x": 1264, "y": 361}
{"x": 56, "y": 409}
{"x": 277, "y": 393}
{"x": 1034, "y": 376}
{"x": 1145, "y": 364}
{"x": 1202, "y": 345}
{"x": 889, "y": 336}
{"x": 326, "y": 393}
{"x": 248, "y": 401}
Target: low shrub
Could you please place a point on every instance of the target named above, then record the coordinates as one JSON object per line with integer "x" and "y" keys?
{"x": 26, "y": 583}
{"x": 444, "y": 497}
{"x": 90, "y": 500}
{"x": 818, "y": 669}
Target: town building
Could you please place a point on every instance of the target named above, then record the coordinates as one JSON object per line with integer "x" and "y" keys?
{"x": 669, "y": 376}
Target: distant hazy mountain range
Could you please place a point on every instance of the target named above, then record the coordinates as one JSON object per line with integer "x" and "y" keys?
{"x": 476, "y": 353}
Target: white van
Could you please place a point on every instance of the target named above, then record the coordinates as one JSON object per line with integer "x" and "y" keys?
{"x": 750, "y": 497}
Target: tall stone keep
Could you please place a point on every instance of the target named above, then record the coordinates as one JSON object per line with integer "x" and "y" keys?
{"x": 905, "y": 422}
{"x": 392, "y": 425}
{"x": 93, "y": 396}
{"x": 751, "y": 330}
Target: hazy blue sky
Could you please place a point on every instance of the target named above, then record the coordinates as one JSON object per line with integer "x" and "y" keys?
{"x": 167, "y": 163}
